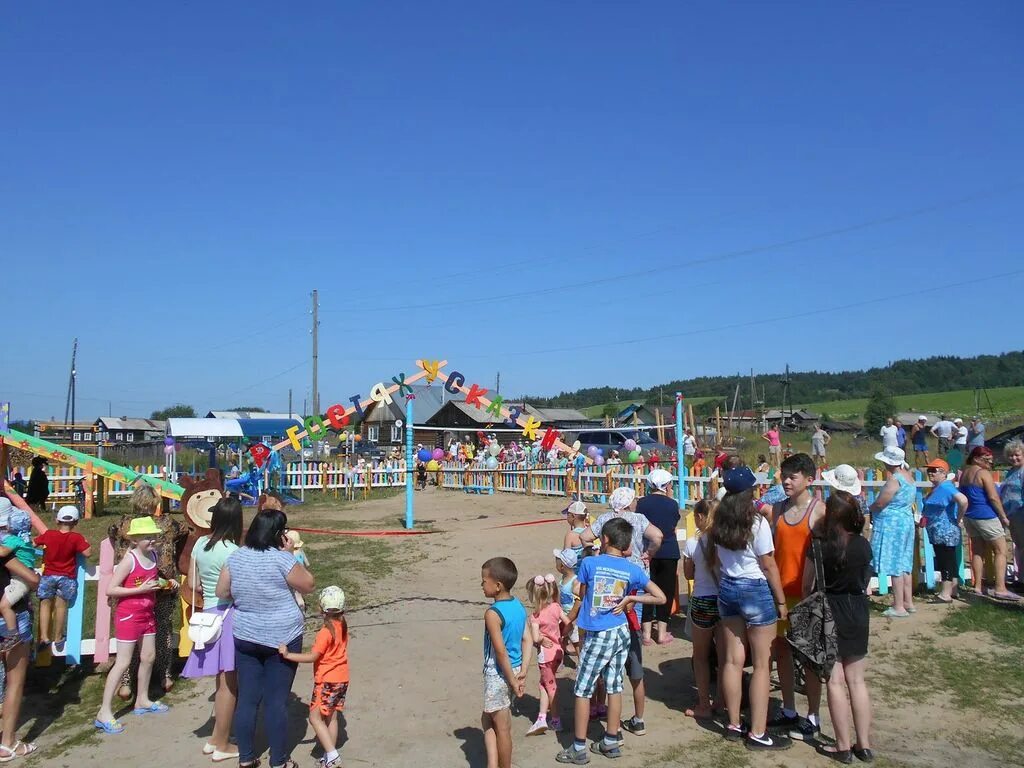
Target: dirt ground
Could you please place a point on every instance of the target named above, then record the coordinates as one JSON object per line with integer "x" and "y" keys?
{"x": 416, "y": 656}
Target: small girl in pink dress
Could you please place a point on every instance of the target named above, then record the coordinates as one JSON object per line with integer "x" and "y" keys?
{"x": 546, "y": 624}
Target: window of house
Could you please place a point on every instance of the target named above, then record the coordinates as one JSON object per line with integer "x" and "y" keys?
{"x": 78, "y": 436}
{"x": 396, "y": 433}
{"x": 87, "y": 436}
{"x": 131, "y": 437}
{"x": 120, "y": 435}
{"x": 373, "y": 433}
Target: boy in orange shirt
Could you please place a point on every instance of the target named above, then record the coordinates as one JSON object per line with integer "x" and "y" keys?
{"x": 792, "y": 523}
{"x": 329, "y": 657}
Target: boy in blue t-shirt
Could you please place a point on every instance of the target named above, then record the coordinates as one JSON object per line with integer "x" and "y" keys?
{"x": 508, "y": 646}
{"x": 605, "y": 584}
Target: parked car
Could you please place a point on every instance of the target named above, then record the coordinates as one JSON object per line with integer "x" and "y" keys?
{"x": 997, "y": 444}
{"x": 609, "y": 440}
{"x": 365, "y": 448}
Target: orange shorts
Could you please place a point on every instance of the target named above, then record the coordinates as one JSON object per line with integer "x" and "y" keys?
{"x": 328, "y": 697}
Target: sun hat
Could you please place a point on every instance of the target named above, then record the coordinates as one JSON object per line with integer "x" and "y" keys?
{"x": 332, "y": 598}
{"x": 659, "y": 478}
{"x": 938, "y": 464}
{"x": 144, "y": 526}
{"x": 67, "y": 514}
{"x": 843, "y": 478}
{"x": 566, "y": 557}
{"x": 577, "y": 508}
{"x": 738, "y": 479}
{"x": 295, "y": 539}
{"x": 892, "y": 457}
{"x": 621, "y": 498}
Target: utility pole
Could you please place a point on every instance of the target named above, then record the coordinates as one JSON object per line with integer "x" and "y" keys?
{"x": 69, "y": 406}
{"x": 497, "y": 384}
{"x": 289, "y": 402}
{"x": 316, "y": 327}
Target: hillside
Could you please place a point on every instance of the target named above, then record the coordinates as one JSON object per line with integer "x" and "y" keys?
{"x": 821, "y": 389}
{"x": 998, "y": 402}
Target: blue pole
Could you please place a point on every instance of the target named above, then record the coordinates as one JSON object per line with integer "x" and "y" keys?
{"x": 410, "y": 466}
{"x": 680, "y": 463}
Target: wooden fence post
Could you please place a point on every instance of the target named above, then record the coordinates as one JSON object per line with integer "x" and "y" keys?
{"x": 102, "y": 634}
{"x": 88, "y": 484}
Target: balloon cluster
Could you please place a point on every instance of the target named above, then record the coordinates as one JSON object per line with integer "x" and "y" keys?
{"x": 596, "y": 455}
{"x": 168, "y": 446}
{"x": 630, "y": 448}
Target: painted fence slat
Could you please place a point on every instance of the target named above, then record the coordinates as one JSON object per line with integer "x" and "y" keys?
{"x": 105, "y": 572}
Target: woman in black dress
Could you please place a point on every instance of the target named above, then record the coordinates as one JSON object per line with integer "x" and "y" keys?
{"x": 846, "y": 561}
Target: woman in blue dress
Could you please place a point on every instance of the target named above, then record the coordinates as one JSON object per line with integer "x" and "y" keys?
{"x": 892, "y": 531}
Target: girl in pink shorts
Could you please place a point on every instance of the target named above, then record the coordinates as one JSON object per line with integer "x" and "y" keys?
{"x": 546, "y": 622}
{"x": 134, "y": 584}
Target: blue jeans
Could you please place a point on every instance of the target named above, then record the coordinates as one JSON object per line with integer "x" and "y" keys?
{"x": 263, "y": 676}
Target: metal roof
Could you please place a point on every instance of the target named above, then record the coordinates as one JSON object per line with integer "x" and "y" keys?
{"x": 145, "y": 425}
{"x": 249, "y": 415}
{"x": 429, "y": 400}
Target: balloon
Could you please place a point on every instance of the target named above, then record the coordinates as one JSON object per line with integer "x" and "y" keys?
{"x": 633, "y": 456}
{"x": 437, "y": 454}
{"x": 592, "y": 452}
{"x": 168, "y": 441}
{"x": 599, "y": 461}
{"x": 357, "y": 438}
{"x": 494, "y": 449}
{"x": 169, "y": 449}
{"x": 432, "y": 466}
{"x": 576, "y": 445}
{"x": 424, "y": 454}
{"x": 492, "y": 463}
{"x": 629, "y": 445}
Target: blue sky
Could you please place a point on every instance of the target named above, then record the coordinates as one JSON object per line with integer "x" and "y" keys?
{"x": 575, "y": 194}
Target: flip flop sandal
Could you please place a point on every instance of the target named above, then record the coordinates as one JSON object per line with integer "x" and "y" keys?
{"x": 219, "y": 756}
{"x": 156, "y": 708}
{"x": 110, "y": 726}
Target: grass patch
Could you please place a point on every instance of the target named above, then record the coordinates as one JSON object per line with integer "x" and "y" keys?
{"x": 709, "y": 751}
{"x": 1008, "y": 749}
{"x": 1006, "y": 625}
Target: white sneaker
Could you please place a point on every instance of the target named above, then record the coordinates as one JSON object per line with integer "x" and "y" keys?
{"x": 539, "y": 727}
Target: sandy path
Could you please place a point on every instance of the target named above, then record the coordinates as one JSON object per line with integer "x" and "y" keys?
{"x": 416, "y": 658}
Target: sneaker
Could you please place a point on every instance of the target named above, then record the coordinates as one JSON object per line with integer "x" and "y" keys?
{"x": 601, "y": 748}
{"x": 735, "y": 734}
{"x": 573, "y": 756}
{"x": 782, "y": 720}
{"x": 635, "y": 726}
{"x": 767, "y": 743}
{"x": 804, "y": 731}
{"x": 539, "y": 727}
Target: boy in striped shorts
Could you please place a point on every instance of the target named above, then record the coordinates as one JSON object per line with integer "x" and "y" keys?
{"x": 605, "y": 582}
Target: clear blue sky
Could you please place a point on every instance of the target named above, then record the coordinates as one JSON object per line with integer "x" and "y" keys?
{"x": 518, "y": 188}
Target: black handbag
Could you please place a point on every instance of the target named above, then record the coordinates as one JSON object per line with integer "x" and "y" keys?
{"x": 812, "y": 628}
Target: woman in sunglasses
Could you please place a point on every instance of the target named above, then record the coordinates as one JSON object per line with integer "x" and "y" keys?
{"x": 985, "y": 522}
{"x": 943, "y": 513}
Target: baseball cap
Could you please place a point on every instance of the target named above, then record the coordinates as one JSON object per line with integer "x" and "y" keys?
{"x": 332, "y": 598}
{"x": 67, "y": 514}
{"x": 922, "y": 418}
{"x": 938, "y": 464}
{"x": 576, "y": 508}
{"x": 738, "y": 479}
{"x": 567, "y": 557}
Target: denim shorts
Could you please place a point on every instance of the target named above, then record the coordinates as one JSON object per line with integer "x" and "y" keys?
{"x": 750, "y": 598}
{"x": 64, "y": 587}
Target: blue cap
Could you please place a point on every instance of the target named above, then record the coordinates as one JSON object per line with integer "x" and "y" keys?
{"x": 739, "y": 479}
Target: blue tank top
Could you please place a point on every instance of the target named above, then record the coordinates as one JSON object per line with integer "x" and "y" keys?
{"x": 978, "y": 507}
{"x": 565, "y": 595}
{"x": 578, "y": 550}
{"x": 513, "y": 624}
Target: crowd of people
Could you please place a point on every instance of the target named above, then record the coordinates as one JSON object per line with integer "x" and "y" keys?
{"x": 752, "y": 562}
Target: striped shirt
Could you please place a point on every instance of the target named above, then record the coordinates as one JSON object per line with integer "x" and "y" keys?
{"x": 265, "y": 610}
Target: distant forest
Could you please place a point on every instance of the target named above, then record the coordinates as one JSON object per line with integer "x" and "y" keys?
{"x": 903, "y": 377}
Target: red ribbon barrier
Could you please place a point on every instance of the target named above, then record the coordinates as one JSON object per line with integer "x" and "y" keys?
{"x": 361, "y": 533}
{"x": 529, "y": 522}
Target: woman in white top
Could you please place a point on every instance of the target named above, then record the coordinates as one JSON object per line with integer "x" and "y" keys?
{"x": 703, "y": 607}
{"x": 750, "y": 602}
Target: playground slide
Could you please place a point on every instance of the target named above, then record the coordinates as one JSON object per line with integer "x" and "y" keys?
{"x": 85, "y": 462}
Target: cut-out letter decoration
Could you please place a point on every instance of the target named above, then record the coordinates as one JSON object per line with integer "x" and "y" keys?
{"x": 403, "y": 388}
{"x": 379, "y": 393}
{"x": 530, "y": 428}
{"x": 431, "y": 368}
{"x": 292, "y": 433}
{"x": 495, "y": 407}
{"x": 455, "y": 380}
{"x": 260, "y": 453}
{"x": 548, "y": 442}
{"x": 313, "y": 421}
{"x": 355, "y": 401}
{"x": 513, "y": 416}
{"x": 474, "y": 395}
{"x": 338, "y": 417}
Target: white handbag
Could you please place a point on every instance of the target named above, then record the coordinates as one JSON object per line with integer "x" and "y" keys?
{"x": 203, "y": 628}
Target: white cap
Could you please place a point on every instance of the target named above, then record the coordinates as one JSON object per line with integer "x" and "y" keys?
{"x": 67, "y": 514}
{"x": 659, "y": 478}
{"x": 922, "y": 418}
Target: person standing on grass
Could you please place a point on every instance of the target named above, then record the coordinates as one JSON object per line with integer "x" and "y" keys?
{"x": 892, "y": 534}
{"x": 901, "y": 435}
{"x": 919, "y": 439}
{"x": 976, "y": 433}
{"x": 792, "y": 523}
{"x": 663, "y": 512}
{"x": 819, "y": 442}
{"x": 846, "y": 564}
{"x": 750, "y": 602}
{"x": 774, "y": 444}
{"x": 960, "y": 434}
{"x": 890, "y": 434}
{"x": 942, "y": 516}
{"x": 985, "y": 522}
{"x": 1010, "y": 494}
{"x": 217, "y": 659}
{"x": 38, "y": 485}
{"x": 943, "y": 431}
{"x": 689, "y": 447}
{"x": 508, "y": 646}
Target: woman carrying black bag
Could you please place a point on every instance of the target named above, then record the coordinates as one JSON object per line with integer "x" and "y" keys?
{"x": 846, "y": 562}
